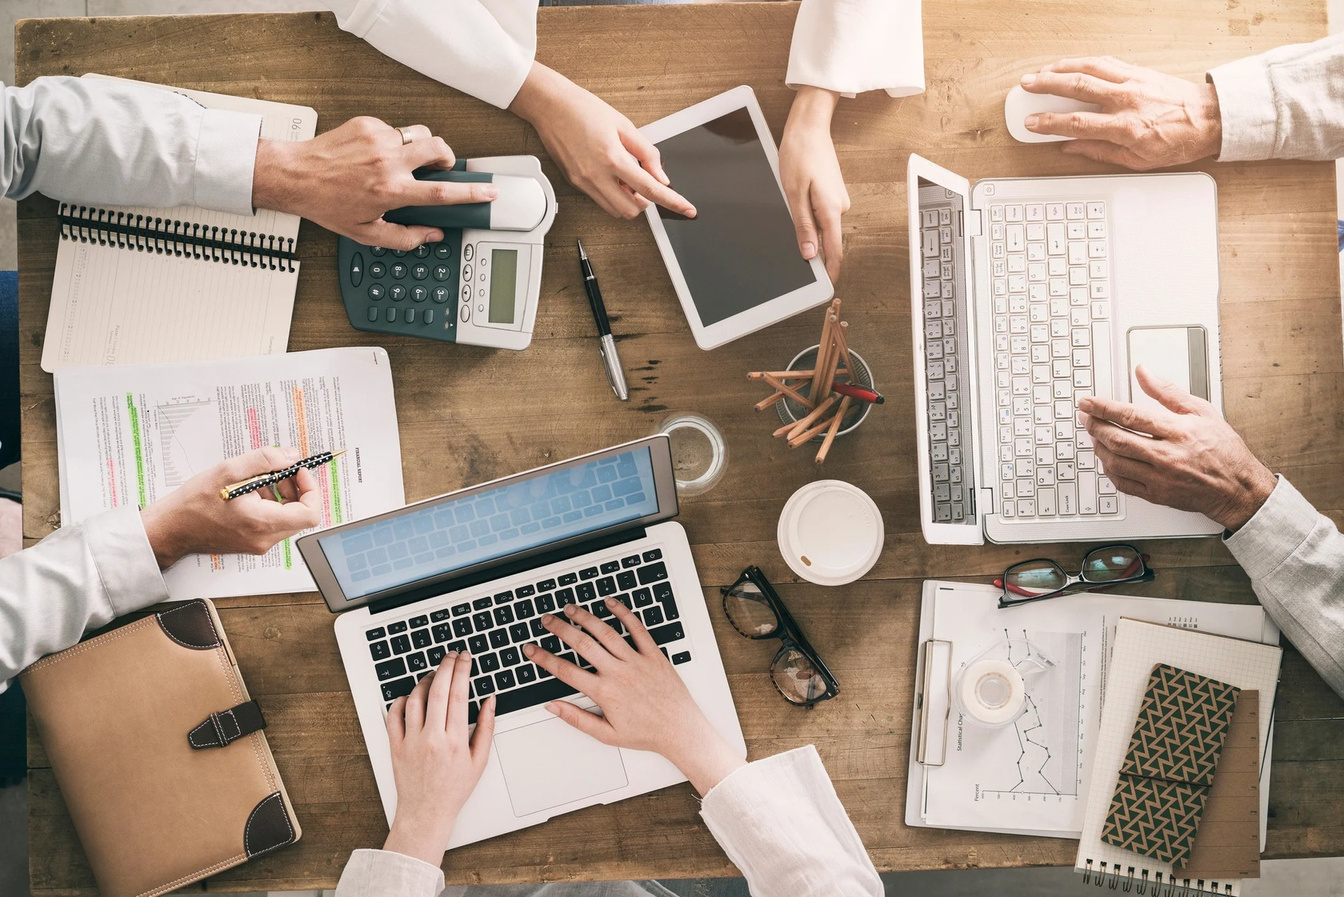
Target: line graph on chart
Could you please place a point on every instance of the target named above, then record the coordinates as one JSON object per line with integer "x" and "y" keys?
{"x": 1039, "y": 756}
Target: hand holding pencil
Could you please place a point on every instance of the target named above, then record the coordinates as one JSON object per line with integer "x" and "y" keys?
{"x": 192, "y": 520}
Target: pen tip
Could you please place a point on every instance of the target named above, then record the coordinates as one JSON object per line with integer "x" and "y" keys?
{"x": 582, "y": 254}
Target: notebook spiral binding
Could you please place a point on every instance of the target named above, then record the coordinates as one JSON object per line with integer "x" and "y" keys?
{"x": 167, "y": 236}
{"x": 1128, "y": 879}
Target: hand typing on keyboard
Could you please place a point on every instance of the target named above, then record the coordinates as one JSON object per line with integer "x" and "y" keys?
{"x": 645, "y": 705}
{"x": 435, "y": 765}
{"x": 1194, "y": 460}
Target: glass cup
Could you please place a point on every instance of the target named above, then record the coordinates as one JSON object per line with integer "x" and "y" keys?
{"x": 699, "y": 453}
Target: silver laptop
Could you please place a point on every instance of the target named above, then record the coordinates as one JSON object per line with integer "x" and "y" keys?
{"x": 1028, "y": 294}
{"x": 476, "y": 569}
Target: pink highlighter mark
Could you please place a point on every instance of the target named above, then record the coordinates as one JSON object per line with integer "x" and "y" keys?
{"x": 253, "y": 428}
{"x": 112, "y": 483}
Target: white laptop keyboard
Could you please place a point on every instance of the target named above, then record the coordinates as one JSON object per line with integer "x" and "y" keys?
{"x": 1050, "y": 276}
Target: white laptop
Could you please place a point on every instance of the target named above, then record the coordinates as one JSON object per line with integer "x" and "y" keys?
{"x": 1028, "y": 294}
{"x": 475, "y": 569}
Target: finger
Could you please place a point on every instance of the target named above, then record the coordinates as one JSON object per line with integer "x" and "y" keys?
{"x": 650, "y": 159}
{"x": 585, "y": 721}
{"x": 1086, "y": 125}
{"x": 804, "y": 227}
{"x": 484, "y": 735}
{"x": 1136, "y": 488}
{"x": 1126, "y": 468}
{"x": 460, "y": 695}
{"x": 607, "y": 637}
{"x": 409, "y": 134}
{"x": 286, "y": 519}
{"x": 1109, "y": 154}
{"x": 1172, "y": 396}
{"x": 1122, "y": 442}
{"x": 588, "y": 647}
{"x": 644, "y": 642}
{"x": 254, "y": 463}
{"x": 832, "y": 241}
{"x": 431, "y": 152}
{"x": 1131, "y": 417}
{"x": 396, "y": 720}
{"x": 1075, "y": 85}
{"x": 415, "y": 705}
{"x": 563, "y": 670}
{"x": 440, "y": 691}
{"x": 648, "y": 187}
{"x": 443, "y": 193}
{"x": 1106, "y": 67}
{"x": 395, "y": 236}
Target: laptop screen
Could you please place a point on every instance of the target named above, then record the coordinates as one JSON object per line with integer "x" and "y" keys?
{"x": 463, "y": 530}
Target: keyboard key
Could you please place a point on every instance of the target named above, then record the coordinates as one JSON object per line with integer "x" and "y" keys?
{"x": 625, "y": 580}
{"x": 519, "y": 632}
{"x": 478, "y": 644}
{"x": 524, "y": 609}
{"x": 546, "y": 585}
{"x": 568, "y": 579}
{"x": 611, "y": 566}
{"x": 537, "y": 629}
{"x": 652, "y": 573}
{"x": 400, "y": 644}
{"x": 436, "y": 655}
{"x": 510, "y": 657}
{"x": 483, "y": 621}
{"x": 400, "y": 688}
{"x": 504, "y": 598}
{"x": 607, "y": 586}
{"x": 459, "y": 647}
{"x": 461, "y": 627}
{"x": 551, "y": 643}
{"x": 420, "y": 638}
{"x": 439, "y": 615}
{"x": 416, "y": 662}
{"x": 586, "y": 573}
{"x": 417, "y": 622}
{"x": 643, "y": 597}
{"x": 484, "y": 686}
{"x": 669, "y": 603}
{"x": 631, "y": 561}
{"x": 399, "y": 626}
{"x": 390, "y": 669}
{"x": 499, "y": 638}
{"x": 545, "y": 603}
{"x": 653, "y": 554}
{"x": 585, "y": 591}
{"x": 503, "y": 616}
{"x": 681, "y": 657}
{"x": 526, "y": 673}
{"x": 504, "y": 679}
{"x": 375, "y": 633}
{"x": 380, "y": 650}
{"x": 544, "y": 691}
{"x": 460, "y": 609}
{"x": 525, "y": 591}
{"x": 482, "y": 603}
{"x": 669, "y": 633}
{"x": 564, "y": 596}
{"x": 653, "y": 616}
{"x": 489, "y": 662}
{"x": 442, "y": 632}
{"x": 601, "y": 611}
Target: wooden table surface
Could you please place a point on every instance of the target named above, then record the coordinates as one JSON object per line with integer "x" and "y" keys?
{"x": 469, "y": 414}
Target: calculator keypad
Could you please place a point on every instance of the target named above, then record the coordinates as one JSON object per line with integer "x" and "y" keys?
{"x": 399, "y": 291}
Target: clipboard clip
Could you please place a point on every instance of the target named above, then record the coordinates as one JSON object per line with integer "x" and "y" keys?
{"x": 933, "y": 701}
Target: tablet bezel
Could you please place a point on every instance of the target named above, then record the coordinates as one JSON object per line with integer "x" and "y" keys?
{"x": 711, "y": 336}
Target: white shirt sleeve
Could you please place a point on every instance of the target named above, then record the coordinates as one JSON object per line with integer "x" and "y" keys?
{"x": 480, "y": 47}
{"x": 780, "y": 821}
{"x": 79, "y": 578}
{"x": 1284, "y": 104}
{"x": 110, "y": 143}
{"x": 851, "y": 46}
{"x": 385, "y": 873}
{"x": 1295, "y": 559}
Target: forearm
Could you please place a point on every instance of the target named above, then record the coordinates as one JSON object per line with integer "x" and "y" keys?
{"x": 111, "y": 143}
{"x": 1284, "y": 104}
{"x": 780, "y": 821}
{"x": 1295, "y": 559}
{"x": 81, "y": 577}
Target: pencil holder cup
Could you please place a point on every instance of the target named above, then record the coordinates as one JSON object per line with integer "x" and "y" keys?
{"x": 791, "y": 412}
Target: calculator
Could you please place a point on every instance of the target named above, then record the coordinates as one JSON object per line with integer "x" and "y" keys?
{"x": 480, "y": 285}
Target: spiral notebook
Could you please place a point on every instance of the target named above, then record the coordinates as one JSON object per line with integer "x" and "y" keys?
{"x": 1138, "y": 647}
{"x": 138, "y": 285}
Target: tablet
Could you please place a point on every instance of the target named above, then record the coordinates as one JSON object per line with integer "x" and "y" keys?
{"x": 735, "y": 266}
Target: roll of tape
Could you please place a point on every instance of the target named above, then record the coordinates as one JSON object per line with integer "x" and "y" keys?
{"x": 992, "y": 692}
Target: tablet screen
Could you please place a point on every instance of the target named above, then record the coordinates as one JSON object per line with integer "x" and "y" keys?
{"x": 739, "y": 251}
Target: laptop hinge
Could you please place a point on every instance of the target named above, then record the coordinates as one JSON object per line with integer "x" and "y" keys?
{"x": 532, "y": 562}
{"x": 984, "y": 506}
{"x": 974, "y": 227}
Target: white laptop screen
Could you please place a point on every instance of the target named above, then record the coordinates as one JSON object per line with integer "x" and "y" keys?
{"x": 516, "y": 515}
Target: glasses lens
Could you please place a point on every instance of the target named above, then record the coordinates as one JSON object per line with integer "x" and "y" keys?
{"x": 1112, "y": 564}
{"x": 797, "y": 677}
{"x": 1032, "y": 579}
{"x": 748, "y": 610}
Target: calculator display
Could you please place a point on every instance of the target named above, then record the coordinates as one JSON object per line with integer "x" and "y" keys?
{"x": 516, "y": 515}
{"x": 503, "y": 285}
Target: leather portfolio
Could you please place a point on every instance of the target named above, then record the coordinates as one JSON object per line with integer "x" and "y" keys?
{"x": 159, "y": 752}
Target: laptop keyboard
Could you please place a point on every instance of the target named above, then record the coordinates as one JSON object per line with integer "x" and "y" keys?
{"x": 945, "y": 349}
{"x": 1052, "y": 346}
{"x": 494, "y": 628}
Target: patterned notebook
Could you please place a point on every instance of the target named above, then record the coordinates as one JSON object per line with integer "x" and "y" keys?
{"x": 1167, "y": 771}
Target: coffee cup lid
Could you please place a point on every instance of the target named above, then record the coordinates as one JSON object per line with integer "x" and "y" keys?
{"x": 830, "y": 532}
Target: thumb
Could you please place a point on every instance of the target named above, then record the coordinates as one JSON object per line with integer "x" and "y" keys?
{"x": 484, "y": 736}
{"x": 588, "y": 723}
{"x": 1171, "y": 396}
{"x": 396, "y": 236}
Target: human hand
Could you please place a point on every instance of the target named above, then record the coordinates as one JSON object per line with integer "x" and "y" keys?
{"x": 1194, "y": 460}
{"x": 812, "y": 178}
{"x": 645, "y": 705}
{"x": 597, "y": 148}
{"x": 434, "y": 764}
{"x": 193, "y": 519}
{"x": 347, "y": 178}
{"x": 1148, "y": 119}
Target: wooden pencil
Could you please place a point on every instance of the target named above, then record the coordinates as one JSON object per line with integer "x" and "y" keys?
{"x": 835, "y": 428}
{"x": 766, "y": 403}
{"x": 789, "y": 391}
{"x": 801, "y": 425}
{"x": 823, "y": 349}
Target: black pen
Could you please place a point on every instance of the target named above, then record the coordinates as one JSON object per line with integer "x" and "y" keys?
{"x": 252, "y": 484}
{"x": 606, "y": 342}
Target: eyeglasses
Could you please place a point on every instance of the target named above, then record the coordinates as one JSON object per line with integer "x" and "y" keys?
{"x": 1043, "y": 578}
{"x": 755, "y": 610}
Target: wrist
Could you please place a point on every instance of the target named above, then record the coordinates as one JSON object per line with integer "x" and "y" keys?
{"x": 813, "y": 108}
{"x": 705, "y": 759}
{"x": 419, "y": 842}
{"x": 1259, "y": 485}
{"x": 163, "y": 541}
{"x": 274, "y": 176}
{"x": 1212, "y": 119}
{"x": 536, "y": 94}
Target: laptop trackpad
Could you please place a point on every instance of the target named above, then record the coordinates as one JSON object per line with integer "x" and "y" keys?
{"x": 550, "y": 764}
{"x": 1178, "y": 354}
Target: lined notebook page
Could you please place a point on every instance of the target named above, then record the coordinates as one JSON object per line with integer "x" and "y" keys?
{"x": 121, "y": 305}
{"x": 1138, "y": 647}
